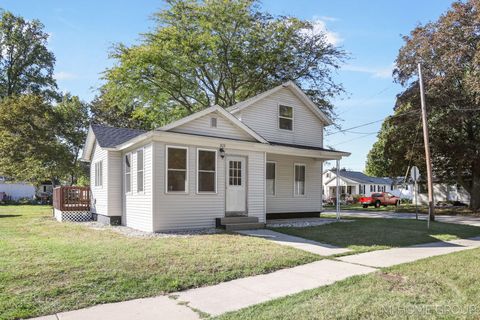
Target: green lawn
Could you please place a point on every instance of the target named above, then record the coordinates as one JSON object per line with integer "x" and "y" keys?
{"x": 443, "y": 287}
{"x": 47, "y": 266}
{"x": 368, "y": 234}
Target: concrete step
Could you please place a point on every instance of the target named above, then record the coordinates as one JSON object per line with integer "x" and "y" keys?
{"x": 227, "y": 220}
{"x": 244, "y": 226}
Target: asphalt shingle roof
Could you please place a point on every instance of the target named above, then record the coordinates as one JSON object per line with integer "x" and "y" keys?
{"x": 109, "y": 137}
{"x": 363, "y": 178}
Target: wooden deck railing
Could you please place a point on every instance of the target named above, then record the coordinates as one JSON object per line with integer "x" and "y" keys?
{"x": 71, "y": 198}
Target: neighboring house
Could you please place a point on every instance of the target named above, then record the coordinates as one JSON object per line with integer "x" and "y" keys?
{"x": 261, "y": 156}
{"x": 15, "y": 190}
{"x": 357, "y": 183}
{"x": 45, "y": 188}
{"x": 444, "y": 192}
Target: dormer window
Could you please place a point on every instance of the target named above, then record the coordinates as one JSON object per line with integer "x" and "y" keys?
{"x": 285, "y": 117}
{"x": 213, "y": 122}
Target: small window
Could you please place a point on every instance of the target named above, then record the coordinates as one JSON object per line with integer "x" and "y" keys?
{"x": 235, "y": 173}
{"x": 98, "y": 174}
{"x": 206, "y": 170}
{"x": 285, "y": 117}
{"x": 140, "y": 174}
{"x": 299, "y": 187}
{"x": 177, "y": 169}
{"x": 213, "y": 122}
{"x": 271, "y": 178}
{"x": 128, "y": 172}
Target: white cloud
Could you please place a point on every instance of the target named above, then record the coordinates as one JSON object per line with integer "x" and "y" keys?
{"x": 320, "y": 26}
{"x": 376, "y": 72}
{"x": 62, "y": 75}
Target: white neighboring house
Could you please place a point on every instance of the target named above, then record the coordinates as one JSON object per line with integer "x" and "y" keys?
{"x": 16, "y": 190}
{"x": 226, "y": 166}
{"x": 445, "y": 192}
{"x": 358, "y": 183}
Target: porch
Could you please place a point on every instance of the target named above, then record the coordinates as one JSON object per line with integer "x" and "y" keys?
{"x": 72, "y": 203}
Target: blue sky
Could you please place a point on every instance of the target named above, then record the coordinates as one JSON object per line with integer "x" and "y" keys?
{"x": 82, "y": 32}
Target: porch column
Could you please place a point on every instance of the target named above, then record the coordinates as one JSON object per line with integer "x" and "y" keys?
{"x": 338, "y": 190}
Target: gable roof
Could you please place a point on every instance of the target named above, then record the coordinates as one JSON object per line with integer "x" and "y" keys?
{"x": 295, "y": 90}
{"x": 234, "y": 120}
{"x": 107, "y": 137}
{"x": 360, "y": 177}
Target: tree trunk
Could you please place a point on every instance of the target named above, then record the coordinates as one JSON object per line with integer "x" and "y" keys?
{"x": 475, "y": 193}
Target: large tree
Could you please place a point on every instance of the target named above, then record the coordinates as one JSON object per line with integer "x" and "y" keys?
{"x": 449, "y": 50}
{"x": 203, "y": 53}
{"x": 26, "y": 64}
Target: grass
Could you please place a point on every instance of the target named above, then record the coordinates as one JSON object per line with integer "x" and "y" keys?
{"x": 408, "y": 208}
{"x": 368, "y": 234}
{"x": 443, "y": 287}
{"x": 48, "y": 267}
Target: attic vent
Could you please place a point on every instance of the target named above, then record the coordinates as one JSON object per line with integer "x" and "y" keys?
{"x": 213, "y": 122}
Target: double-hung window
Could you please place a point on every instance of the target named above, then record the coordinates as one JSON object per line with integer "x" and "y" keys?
{"x": 128, "y": 172}
{"x": 177, "y": 169}
{"x": 140, "y": 171}
{"x": 285, "y": 117}
{"x": 206, "y": 171}
{"x": 99, "y": 174}
{"x": 299, "y": 183}
{"x": 271, "y": 178}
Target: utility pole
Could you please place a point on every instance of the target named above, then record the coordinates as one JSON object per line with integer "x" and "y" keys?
{"x": 431, "y": 212}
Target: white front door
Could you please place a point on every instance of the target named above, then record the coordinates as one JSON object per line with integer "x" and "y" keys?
{"x": 236, "y": 185}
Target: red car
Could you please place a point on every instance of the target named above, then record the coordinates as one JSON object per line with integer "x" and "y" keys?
{"x": 380, "y": 199}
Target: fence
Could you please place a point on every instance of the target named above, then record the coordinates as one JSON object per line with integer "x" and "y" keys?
{"x": 71, "y": 198}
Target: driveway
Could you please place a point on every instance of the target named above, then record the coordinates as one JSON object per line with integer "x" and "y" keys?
{"x": 458, "y": 219}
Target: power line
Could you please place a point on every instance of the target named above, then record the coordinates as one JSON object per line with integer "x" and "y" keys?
{"x": 372, "y": 122}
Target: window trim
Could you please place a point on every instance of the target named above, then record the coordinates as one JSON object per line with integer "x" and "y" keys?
{"x": 143, "y": 170}
{"x": 305, "y": 181}
{"x": 279, "y": 117}
{"x": 275, "y": 180}
{"x": 186, "y": 170}
{"x": 100, "y": 164}
{"x": 125, "y": 173}
{"x": 198, "y": 171}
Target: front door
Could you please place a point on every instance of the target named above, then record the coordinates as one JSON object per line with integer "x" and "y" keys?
{"x": 236, "y": 186}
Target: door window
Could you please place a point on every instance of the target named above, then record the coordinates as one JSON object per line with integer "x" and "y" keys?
{"x": 235, "y": 173}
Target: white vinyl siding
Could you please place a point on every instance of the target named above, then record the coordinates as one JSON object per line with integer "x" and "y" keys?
{"x": 107, "y": 200}
{"x": 199, "y": 210}
{"x": 138, "y": 206}
{"x": 98, "y": 174}
{"x": 261, "y": 117}
{"x": 224, "y": 128}
{"x": 284, "y": 200}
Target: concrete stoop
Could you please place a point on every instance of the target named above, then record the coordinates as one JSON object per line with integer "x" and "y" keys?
{"x": 239, "y": 223}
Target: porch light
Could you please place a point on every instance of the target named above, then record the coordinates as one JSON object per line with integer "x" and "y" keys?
{"x": 222, "y": 151}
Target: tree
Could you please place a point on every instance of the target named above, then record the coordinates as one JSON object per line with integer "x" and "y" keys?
{"x": 449, "y": 52}
{"x": 26, "y": 65}
{"x": 29, "y": 148}
{"x": 72, "y": 115}
{"x": 214, "y": 52}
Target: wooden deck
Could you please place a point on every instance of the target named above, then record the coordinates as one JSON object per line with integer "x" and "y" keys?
{"x": 71, "y": 198}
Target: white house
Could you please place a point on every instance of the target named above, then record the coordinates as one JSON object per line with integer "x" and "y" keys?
{"x": 358, "y": 183}
{"x": 15, "y": 190}
{"x": 261, "y": 156}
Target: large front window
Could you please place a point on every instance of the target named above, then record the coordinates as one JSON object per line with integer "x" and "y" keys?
{"x": 206, "y": 170}
{"x": 285, "y": 117}
{"x": 299, "y": 185}
{"x": 271, "y": 178}
{"x": 177, "y": 169}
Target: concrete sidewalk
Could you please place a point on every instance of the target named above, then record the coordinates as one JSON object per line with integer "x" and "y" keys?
{"x": 391, "y": 257}
{"x": 322, "y": 249}
{"x": 241, "y": 293}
